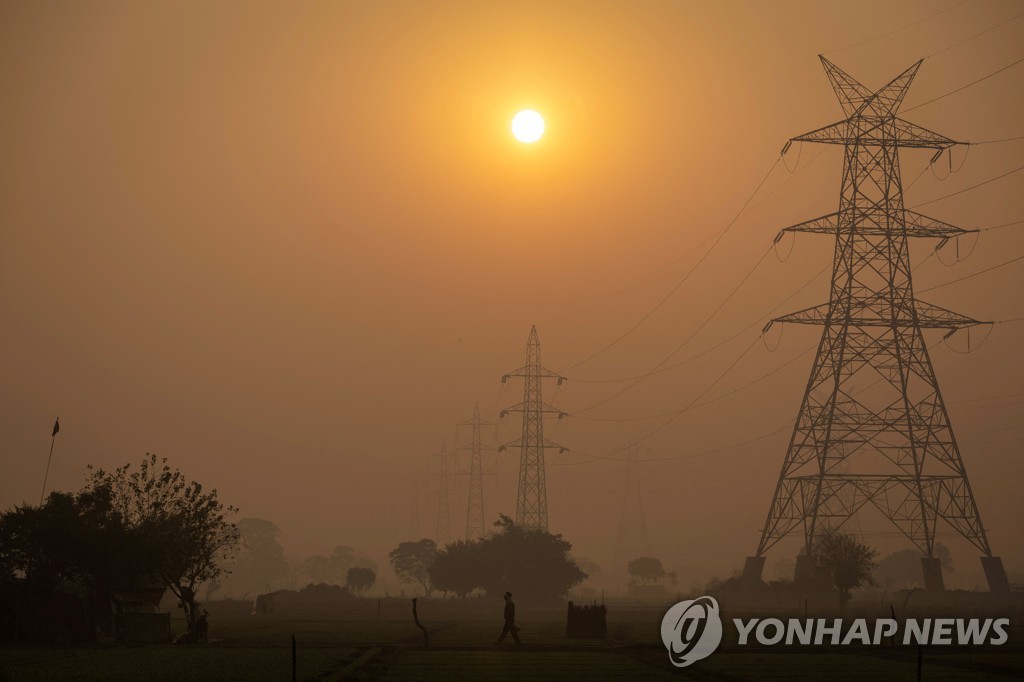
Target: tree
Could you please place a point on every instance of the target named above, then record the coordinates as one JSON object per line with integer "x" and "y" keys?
{"x": 360, "y": 579}
{"x": 188, "y": 538}
{"x": 260, "y": 561}
{"x": 458, "y": 568}
{"x": 334, "y": 568}
{"x": 532, "y": 564}
{"x": 646, "y": 569}
{"x": 72, "y": 547}
{"x": 847, "y": 561}
{"x": 412, "y": 561}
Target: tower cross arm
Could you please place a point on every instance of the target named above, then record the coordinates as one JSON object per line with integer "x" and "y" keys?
{"x": 874, "y": 312}
{"x": 545, "y": 408}
{"x": 527, "y": 371}
{"x": 878, "y": 131}
{"x": 518, "y": 443}
{"x": 879, "y": 222}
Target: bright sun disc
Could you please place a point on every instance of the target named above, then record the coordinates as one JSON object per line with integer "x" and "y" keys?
{"x": 528, "y": 126}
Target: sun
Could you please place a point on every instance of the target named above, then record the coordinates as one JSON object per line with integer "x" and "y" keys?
{"x": 528, "y": 126}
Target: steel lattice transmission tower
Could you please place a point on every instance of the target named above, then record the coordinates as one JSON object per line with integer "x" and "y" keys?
{"x": 633, "y": 540}
{"x": 444, "y": 521}
{"x": 873, "y": 428}
{"x": 475, "y": 509}
{"x": 532, "y": 496}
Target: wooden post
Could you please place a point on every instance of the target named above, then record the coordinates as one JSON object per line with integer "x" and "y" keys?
{"x": 294, "y": 676}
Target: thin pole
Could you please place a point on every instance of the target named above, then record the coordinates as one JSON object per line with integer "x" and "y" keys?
{"x": 53, "y": 439}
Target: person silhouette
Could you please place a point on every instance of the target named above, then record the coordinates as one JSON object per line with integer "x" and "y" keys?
{"x": 510, "y": 620}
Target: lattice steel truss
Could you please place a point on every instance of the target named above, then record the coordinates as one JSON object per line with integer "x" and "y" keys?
{"x": 873, "y": 428}
{"x": 443, "y": 533}
{"x": 532, "y": 497}
{"x": 633, "y": 540}
{"x": 475, "y": 510}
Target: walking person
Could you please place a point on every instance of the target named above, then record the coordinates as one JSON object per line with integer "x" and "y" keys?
{"x": 510, "y": 620}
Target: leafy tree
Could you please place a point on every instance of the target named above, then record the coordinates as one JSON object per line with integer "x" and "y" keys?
{"x": 412, "y": 561}
{"x": 71, "y": 544}
{"x": 591, "y": 568}
{"x": 360, "y": 579}
{"x": 458, "y": 568}
{"x": 334, "y": 568}
{"x": 646, "y": 569}
{"x": 532, "y": 564}
{"x": 188, "y": 538}
{"x": 847, "y": 561}
{"x": 260, "y": 560}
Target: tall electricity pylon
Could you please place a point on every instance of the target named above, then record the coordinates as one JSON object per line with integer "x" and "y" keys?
{"x": 633, "y": 541}
{"x": 475, "y": 510}
{"x": 888, "y": 443}
{"x": 444, "y": 521}
{"x": 532, "y": 497}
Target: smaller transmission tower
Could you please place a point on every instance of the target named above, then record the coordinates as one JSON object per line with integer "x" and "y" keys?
{"x": 475, "y": 510}
{"x": 532, "y": 496}
{"x": 444, "y": 521}
{"x": 633, "y": 541}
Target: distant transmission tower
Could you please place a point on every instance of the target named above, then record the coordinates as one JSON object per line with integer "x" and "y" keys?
{"x": 889, "y": 443}
{"x": 633, "y": 541}
{"x": 475, "y": 510}
{"x": 444, "y": 521}
{"x": 532, "y": 498}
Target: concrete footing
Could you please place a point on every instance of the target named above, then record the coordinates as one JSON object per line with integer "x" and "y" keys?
{"x": 995, "y": 574}
{"x": 753, "y": 567}
{"x": 806, "y": 570}
{"x": 932, "y": 569}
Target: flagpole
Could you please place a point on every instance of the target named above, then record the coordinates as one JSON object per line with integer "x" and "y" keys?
{"x": 53, "y": 439}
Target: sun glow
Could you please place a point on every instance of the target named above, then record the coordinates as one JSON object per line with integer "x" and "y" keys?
{"x": 528, "y": 126}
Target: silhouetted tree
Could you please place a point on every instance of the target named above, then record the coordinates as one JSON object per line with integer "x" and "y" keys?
{"x": 188, "y": 538}
{"x": 72, "y": 545}
{"x": 847, "y": 560}
{"x": 260, "y": 560}
{"x": 360, "y": 579}
{"x": 646, "y": 569}
{"x": 458, "y": 568}
{"x": 412, "y": 561}
{"x": 532, "y": 564}
{"x": 334, "y": 568}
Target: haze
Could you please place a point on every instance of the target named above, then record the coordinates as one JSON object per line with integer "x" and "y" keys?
{"x": 288, "y": 246}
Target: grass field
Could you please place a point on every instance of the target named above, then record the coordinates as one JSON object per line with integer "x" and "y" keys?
{"x": 357, "y": 645}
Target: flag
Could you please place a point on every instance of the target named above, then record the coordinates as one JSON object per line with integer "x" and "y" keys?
{"x": 56, "y": 427}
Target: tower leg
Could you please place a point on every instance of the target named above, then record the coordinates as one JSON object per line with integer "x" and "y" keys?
{"x": 752, "y": 570}
{"x": 932, "y": 569}
{"x": 995, "y": 574}
{"x": 806, "y": 570}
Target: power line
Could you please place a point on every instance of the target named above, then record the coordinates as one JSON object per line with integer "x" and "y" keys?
{"x": 976, "y": 35}
{"x": 999, "y": 227}
{"x": 968, "y": 189}
{"x": 685, "y": 341}
{"x": 896, "y": 30}
{"x": 964, "y": 87}
{"x": 974, "y": 274}
{"x": 1005, "y": 139}
{"x": 685, "y": 278}
{"x": 675, "y": 417}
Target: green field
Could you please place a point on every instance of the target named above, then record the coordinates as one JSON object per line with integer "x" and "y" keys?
{"x": 355, "y": 644}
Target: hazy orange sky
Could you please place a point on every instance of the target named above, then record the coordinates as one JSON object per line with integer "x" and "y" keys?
{"x": 288, "y": 245}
